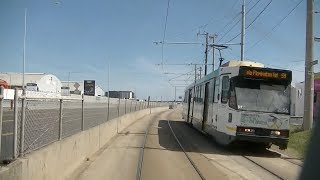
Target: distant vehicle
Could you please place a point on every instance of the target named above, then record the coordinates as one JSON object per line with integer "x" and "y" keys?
{"x": 32, "y": 87}
{"x": 241, "y": 101}
{"x": 4, "y": 84}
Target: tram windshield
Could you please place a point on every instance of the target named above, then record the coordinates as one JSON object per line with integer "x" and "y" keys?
{"x": 253, "y": 95}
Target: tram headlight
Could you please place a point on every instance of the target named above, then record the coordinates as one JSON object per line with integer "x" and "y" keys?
{"x": 248, "y": 130}
{"x": 245, "y": 130}
{"x": 276, "y": 133}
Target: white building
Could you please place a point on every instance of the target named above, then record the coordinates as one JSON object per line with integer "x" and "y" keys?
{"x": 34, "y": 81}
{"x": 297, "y": 99}
{"x": 77, "y": 87}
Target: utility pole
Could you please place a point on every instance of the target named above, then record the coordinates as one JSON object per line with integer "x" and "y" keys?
{"x": 24, "y": 49}
{"x": 206, "y": 51}
{"x": 175, "y": 94}
{"x": 309, "y": 62}
{"x": 243, "y": 29}
{"x": 206, "y": 57}
{"x": 195, "y": 73}
{"x": 213, "y": 48}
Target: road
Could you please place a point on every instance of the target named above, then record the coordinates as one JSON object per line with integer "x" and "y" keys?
{"x": 42, "y": 121}
{"x": 163, "y": 158}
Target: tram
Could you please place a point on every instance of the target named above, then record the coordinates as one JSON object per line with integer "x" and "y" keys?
{"x": 241, "y": 101}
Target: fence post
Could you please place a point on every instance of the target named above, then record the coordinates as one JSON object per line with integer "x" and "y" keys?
{"x": 125, "y": 106}
{"x": 82, "y": 113}
{"x": 119, "y": 107}
{"x": 23, "y": 119}
{"x": 1, "y": 113}
{"x": 135, "y": 106}
{"x": 130, "y": 105}
{"x": 15, "y": 131}
{"x": 108, "y": 107}
{"x": 60, "y": 119}
{"x": 149, "y": 104}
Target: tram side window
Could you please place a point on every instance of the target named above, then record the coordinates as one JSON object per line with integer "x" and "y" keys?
{"x": 232, "y": 98}
{"x": 211, "y": 91}
{"x": 200, "y": 94}
{"x": 185, "y": 97}
{"x": 196, "y": 94}
{"x": 225, "y": 89}
{"x": 216, "y": 90}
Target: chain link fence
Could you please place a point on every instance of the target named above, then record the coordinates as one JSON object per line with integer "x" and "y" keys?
{"x": 29, "y": 124}
{"x": 41, "y": 124}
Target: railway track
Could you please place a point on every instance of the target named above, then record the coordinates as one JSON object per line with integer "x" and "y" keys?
{"x": 256, "y": 162}
{"x": 268, "y": 170}
{"x": 140, "y": 162}
{"x": 272, "y": 173}
{"x": 190, "y": 160}
{"x": 264, "y": 168}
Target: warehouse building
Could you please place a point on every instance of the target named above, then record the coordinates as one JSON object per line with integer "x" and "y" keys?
{"x": 33, "y": 81}
{"x": 121, "y": 94}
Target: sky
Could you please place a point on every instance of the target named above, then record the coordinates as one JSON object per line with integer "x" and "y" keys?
{"x": 90, "y": 38}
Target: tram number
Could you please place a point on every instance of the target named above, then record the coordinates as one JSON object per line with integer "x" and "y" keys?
{"x": 283, "y": 76}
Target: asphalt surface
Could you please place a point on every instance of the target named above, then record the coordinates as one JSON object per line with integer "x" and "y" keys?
{"x": 42, "y": 121}
{"x": 164, "y": 159}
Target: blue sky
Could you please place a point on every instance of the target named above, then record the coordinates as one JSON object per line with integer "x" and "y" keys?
{"x": 84, "y": 36}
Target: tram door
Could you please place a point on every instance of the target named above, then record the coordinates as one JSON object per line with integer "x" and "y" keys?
{"x": 189, "y": 105}
{"x": 206, "y": 105}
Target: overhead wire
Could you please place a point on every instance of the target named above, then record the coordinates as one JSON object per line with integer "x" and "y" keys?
{"x": 252, "y": 6}
{"x": 252, "y": 21}
{"x": 164, "y": 31}
{"x": 229, "y": 30}
{"x": 259, "y": 14}
{"x": 237, "y": 21}
{"x": 275, "y": 26}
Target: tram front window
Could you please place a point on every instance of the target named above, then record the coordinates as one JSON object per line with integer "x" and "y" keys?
{"x": 259, "y": 96}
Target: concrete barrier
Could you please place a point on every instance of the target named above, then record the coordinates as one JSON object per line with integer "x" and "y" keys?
{"x": 58, "y": 160}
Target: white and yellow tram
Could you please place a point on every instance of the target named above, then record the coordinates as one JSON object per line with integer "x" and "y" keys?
{"x": 241, "y": 101}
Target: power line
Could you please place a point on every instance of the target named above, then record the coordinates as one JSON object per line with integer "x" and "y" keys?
{"x": 165, "y": 29}
{"x": 212, "y": 20}
{"x": 252, "y": 6}
{"x": 239, "y": 22}
{"x": 275, "y": 26}
{"x": 235, "y": 3}
{"x": 232, "y": 20}
{"x": 229, "y": 30}
{"x": 259, "y": 14}
{"x": 252, "y": 21}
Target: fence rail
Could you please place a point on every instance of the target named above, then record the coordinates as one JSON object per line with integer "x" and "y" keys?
{"x": 27, "y": 124}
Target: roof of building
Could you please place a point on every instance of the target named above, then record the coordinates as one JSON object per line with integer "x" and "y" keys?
{"x": 15, "y": 79}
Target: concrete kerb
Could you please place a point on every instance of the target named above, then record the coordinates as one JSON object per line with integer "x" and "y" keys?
{"x": 84, "y": 165}
{"x": 59, "y": 159}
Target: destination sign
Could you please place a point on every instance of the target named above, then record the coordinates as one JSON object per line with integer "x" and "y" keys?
{"x": 265, "y": 73}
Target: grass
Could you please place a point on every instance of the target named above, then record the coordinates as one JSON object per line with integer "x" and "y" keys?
{"x": 298, "y": 141}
